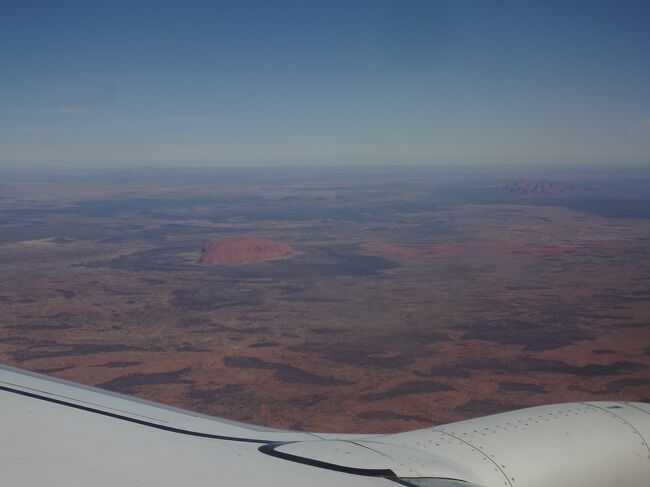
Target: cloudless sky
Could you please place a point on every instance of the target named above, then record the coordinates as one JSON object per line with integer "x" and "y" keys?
{"x": 319, "y": 82}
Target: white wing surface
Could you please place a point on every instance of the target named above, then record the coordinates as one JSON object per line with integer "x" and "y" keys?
{"x": 55, "y": 433}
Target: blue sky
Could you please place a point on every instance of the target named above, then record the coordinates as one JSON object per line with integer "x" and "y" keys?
{"x": 324, "y": 82}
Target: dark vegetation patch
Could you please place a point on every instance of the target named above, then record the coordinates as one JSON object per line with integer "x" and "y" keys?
{"x": 55, "y": 316}
{"x": 351, "y": 354}
{"x": 210, "y": 298}
{"x": 482, "y": 407}
{"x": 444, "y": 371}
{"x": 601, "y": 316}
{"x": 148, "y": 207}
{"x": 27, "y": 341}
{"x": 305, "y": 402}
{"x": 612, "y": 299}
{"x": 527, "y": 288}
{"x": 635, "y": 324}
{"x": 37, "y": 349}
{"x": 66, "y": 293}
{"x": 194, "y": 321}
{"x": 157, "y": 234}
{"x": 166, "y": 258}
{"x": 349, "y": 262}
{"x": 327, "y": 331}
{"x": 373, "y": 351}
{"x": 265, "y": 344}
{"x": 129, "y": 383}
{"x": 390, "y": 416}
{"x": 54, "y": 369}
{"x": 525, "y": 365}
{"x": 520, "y": 387}
{"x": 42, "y": 327}
{"x": 153, "y": 281}
{"x": 119, "y": 364}
{"x": 309, "y": 299}
{"x": 532, "y": 336}
{"x": 617, "y": 386}
{"x": 4, "y": 299}
{"x": 291, "y": 289}
{"x": 602, "y": 351}
{"x": 284, "y": 372}
{"x": 190, "y": 347}
{"x": 57, "y": 230}
{"x": 407, "y": 340}
{"x": 255, "y": 330}
{"x": 367, "y": 358}
{"x": 219, "y": 328}
{"x": 411, "y": 387}
{"x": 607, "y": 205}
{"x": 310, "y": 209}
{"x": 120, "y": 292}
{"x": 312, "y": 263}
{"x": 214, "y": 395}
{"x": 24, "y": 342}
{"x": 579, "y": 388}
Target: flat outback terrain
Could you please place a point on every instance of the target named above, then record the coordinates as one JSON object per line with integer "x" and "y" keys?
{"x": 358, "y": 300}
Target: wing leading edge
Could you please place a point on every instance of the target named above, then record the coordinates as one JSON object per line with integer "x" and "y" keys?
{"x": 56, "y": 432}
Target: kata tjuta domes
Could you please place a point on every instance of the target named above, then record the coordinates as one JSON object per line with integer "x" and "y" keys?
{"x": 537, "y": 188}
{"x": 242, "y": 249}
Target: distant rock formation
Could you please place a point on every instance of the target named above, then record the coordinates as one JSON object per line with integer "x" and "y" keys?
{"x": 239, "y": 250}
{"x": 537, "y": 187}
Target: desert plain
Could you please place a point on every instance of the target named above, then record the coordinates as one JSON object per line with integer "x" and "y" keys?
{"x": 394, "y": 299}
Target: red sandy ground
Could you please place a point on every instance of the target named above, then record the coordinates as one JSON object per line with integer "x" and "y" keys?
{"x": 267, "y": 399}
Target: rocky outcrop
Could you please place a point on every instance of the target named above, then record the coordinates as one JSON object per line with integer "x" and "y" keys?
{"x": 537, "y": 188}
{"x": 239, "y": 250}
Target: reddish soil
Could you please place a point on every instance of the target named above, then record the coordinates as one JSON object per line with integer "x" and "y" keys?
{"x": 553, "y": 304}
{"x": 456, "y": 378}
{"x": 239, "y": 250}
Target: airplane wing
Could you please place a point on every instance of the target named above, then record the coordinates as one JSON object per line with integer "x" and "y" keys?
{"x": 56, "y": 433}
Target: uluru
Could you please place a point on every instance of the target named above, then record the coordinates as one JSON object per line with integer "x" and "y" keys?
{"x": 243, "y": 249}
